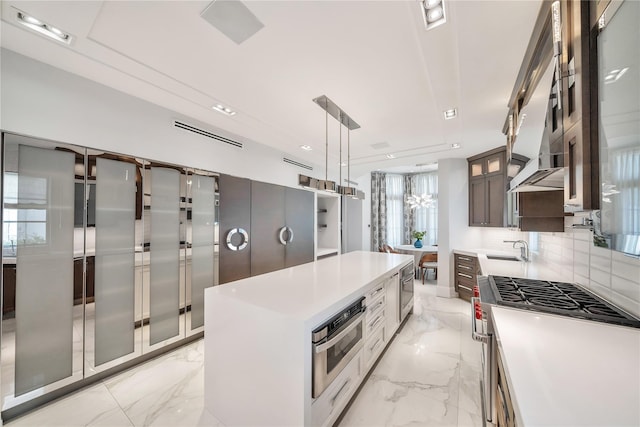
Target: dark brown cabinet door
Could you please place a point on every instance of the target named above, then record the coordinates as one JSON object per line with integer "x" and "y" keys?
{"x": 235, "y": 217}
{"x": 267, "y": 219}
{"x": 477, "y": 202}
{"x": 495, "y": 198}
{"x": 299, "y": 219}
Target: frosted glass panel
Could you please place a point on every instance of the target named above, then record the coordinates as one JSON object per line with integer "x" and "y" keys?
{"x": 202, "y": 255}
{"x": 115, "y": 215}
{"x": 165, "y": 254}
{"x": 44, "y": 282}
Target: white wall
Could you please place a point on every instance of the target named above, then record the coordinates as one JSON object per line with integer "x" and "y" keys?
{"x": 46, "y": 102}
{"x": 453, "y": 220}
{"x": 364, "y": 184}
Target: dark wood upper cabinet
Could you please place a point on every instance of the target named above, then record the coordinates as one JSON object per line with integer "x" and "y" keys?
{"x": 488, "y": 181}
{"x": 581, "y": 189}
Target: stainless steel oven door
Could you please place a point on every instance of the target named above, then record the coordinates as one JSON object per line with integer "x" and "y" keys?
{"x": 330, "y": 357}
{"x": 488, "y": 380}
{"x": 406, "y": 294}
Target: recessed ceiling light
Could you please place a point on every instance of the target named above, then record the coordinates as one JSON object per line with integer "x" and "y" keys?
{"x": 224, "y": 110}
{"x": 390, "y": 156}
{"x": 450, "y": 114}
{"x": 43, "y": 28}
{"x": 433, "y": 13}
{"x": 455, "y": 146}
{"x": 306, "y": 147}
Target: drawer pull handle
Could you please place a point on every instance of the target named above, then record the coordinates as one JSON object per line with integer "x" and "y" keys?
{"x": 375, "y": 322}
{"x": 465, "y": 287}
{"x": 464, "y": 258}
{"x": 375, "y": 307}
{"x": 335, "y": 396}
{"x": 377, "y": 291}
{"x": 465, "y": 275}
{"x": 373, "y": 347}
{"x": 466, "y": 267}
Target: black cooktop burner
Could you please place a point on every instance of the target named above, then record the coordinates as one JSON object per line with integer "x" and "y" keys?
{"x": 558, "y": 298}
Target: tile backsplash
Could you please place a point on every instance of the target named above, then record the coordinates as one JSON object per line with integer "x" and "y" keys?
{"x": 610, "y": 274}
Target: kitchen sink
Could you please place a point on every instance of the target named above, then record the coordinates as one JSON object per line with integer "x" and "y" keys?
{"x": 504, "y": 257}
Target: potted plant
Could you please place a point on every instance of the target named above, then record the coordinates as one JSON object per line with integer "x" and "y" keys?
{"x": 418, "y": 235}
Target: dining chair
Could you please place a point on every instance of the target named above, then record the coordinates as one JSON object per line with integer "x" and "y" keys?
{"x": 428, "y": 261}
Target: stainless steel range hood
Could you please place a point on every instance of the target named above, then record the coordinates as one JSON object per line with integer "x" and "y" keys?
{"x": 545, "y": 170}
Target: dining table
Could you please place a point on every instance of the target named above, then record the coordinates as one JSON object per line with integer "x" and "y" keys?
{"x": 417, "y": 253}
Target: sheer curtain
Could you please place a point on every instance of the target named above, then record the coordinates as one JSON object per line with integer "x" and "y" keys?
{"x": 626, "y": 180}
{"x": 395, "y": 209}
{"x": 426, "y": 219}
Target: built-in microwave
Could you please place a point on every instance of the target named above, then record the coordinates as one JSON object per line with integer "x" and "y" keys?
{"x": 335, "y": 343}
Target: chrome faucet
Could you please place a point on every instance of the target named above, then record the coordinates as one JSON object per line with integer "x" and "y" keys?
{"x": 524, "y": 249}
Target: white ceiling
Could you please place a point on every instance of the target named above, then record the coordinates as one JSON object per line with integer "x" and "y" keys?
{"x": 372, "y": 58}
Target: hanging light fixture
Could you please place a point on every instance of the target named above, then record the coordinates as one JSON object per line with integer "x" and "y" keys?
{"x": 325, "y": 184}
{"x": 421, "y": 201}
{"x": 343, "y": 118}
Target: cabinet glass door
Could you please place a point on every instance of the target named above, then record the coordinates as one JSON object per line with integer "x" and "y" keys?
{"x": 114, "y": 240}
{"x": 619, "y": 127}
{"x": 166, "y": 277}
{"x": 202, "y": 245}
{"x": 42, "y": 322}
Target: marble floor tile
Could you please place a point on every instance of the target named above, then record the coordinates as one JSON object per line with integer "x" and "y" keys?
{"x": 428, "y": 376}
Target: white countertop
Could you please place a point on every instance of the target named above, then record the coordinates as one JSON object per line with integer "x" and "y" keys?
{"x": 309, "y": 289}
{"x": 569, "y": 372}
{"x": 533, "y": 269}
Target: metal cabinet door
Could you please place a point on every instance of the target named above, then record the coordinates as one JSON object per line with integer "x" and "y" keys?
{"x": 235, "y": 221}
{"x": 267, "y": 221}
{"x": 300, "y": 220}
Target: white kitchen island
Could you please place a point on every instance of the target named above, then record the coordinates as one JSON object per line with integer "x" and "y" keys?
{"x": 258, "y": 352}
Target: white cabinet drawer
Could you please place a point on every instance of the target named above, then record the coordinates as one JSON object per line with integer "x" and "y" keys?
{"x": 326, "y": 408}
{"x": 375, "y": 292}
{"x": 373, "y": 323}
{"x": 373, "y": 346}
{"x": 375, "y": 307}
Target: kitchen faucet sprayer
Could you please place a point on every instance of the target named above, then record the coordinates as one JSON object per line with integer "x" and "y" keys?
{"x": 524, "y": 249}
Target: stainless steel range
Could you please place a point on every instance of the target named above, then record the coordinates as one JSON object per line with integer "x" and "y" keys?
{"x": 559, "y": 298}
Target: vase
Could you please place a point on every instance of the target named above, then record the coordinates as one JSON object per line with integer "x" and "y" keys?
{"x": 417, "y": 243}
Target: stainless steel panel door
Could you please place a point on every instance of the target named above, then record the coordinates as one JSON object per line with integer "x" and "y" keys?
{"x": 299, "y": 218}
{"x": 112, "y": 319}
{"x": 42, "y": 328}
{"x": 166, "y": 277}
{"x": 201, "y": 250}
{"x": 267, "y": 219}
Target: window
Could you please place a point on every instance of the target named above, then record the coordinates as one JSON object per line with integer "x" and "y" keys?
{"x": 426, "y": 218}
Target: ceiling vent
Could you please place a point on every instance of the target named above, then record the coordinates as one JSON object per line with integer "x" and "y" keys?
{"x": 296, "y": 163}
{"x": 190, "y": 128}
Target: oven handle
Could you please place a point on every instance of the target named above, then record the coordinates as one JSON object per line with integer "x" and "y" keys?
{"x": 319, "y": 348}
{"x": 477, "y": 336}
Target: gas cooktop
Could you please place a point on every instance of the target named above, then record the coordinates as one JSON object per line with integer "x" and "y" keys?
{"x": 558, "y": 298}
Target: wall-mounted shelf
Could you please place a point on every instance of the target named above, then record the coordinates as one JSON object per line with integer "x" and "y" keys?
{"x": 327, "y": 225}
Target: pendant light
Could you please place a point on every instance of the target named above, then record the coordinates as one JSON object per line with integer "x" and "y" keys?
{"x": 325, "y": 184}
{"x": 348, "y": 190}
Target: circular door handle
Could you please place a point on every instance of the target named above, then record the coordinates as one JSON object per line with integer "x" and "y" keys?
{"x": 245, "y": 239}
{"x": 281, "y": 235}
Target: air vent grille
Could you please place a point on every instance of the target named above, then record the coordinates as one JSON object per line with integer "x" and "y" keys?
{"x": 296, "y": 163}
{"x": 190, "y": 128}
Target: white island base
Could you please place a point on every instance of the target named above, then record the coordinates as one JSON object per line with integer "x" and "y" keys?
{"x": 258, "y": 351}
